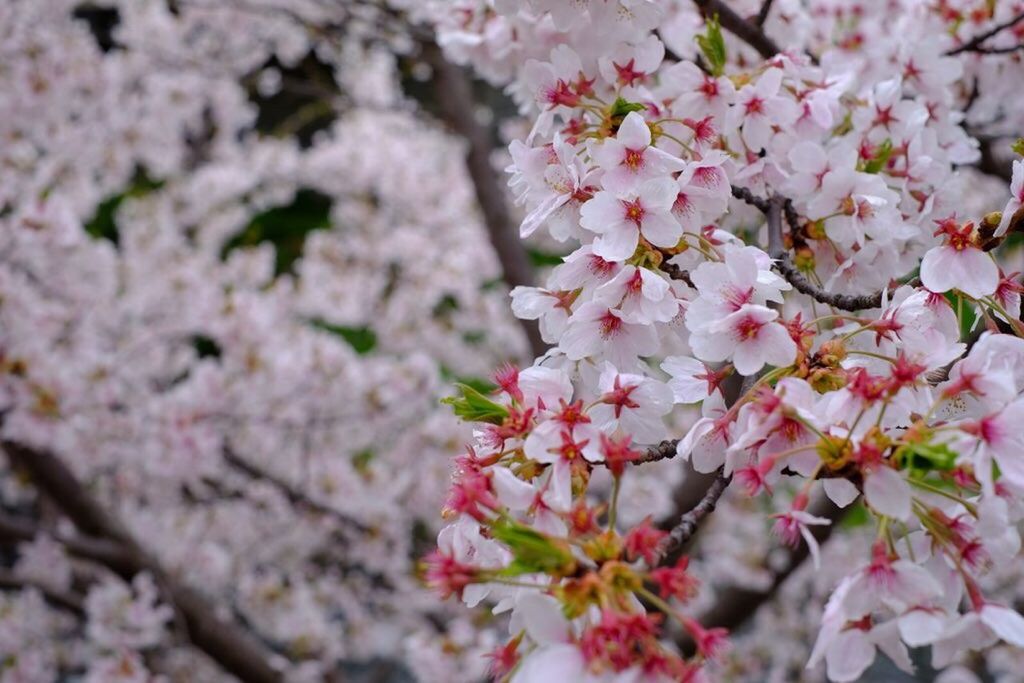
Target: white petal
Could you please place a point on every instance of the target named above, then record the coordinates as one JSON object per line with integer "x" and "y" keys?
{"x": 888, "y": 493}
{"x": 1006, "y": 623}
{"x": 542, "y": 618}
{"x": 842, "y": 492}
{"x": 849, "y": 656}
{"x": 920, "y": 627}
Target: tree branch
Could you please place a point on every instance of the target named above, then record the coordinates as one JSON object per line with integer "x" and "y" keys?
{"x": 735, "y": 605}
{"x": 766, "y": 9}
{"x": 455, "y": 99}
{"x": 688, "y": 524}
{"x": 753, "y": 35}
{"x": 223, "y": 639}
{"x": 662, "y": 451}
{"x": 974, "y": 43}
{"x": 69, "y": 602}
{"x": 99, "y": 550}
{"x": 294, "y": 495}
{"x": 774, "y": 210}
{"x": 989, "y": 164}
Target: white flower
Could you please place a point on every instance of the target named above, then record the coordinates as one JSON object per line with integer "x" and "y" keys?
{"x": 628, "y": 159}
{"x": 620, "y": 218}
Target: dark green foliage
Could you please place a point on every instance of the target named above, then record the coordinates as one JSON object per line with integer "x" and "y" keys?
{"x": 362, "y": 339}
{"x": 103, "y": 224}
{"x": 285, "y": 227}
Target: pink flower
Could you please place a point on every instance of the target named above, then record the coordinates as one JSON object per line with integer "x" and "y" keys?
{"x": 628, "y": 159}
{"x": 759, "y": 107}
{"x": 999, "y": 437}
{"x": 895, "y": 583}
{"x": 643, "y": 541}
{"x": 620, "y": 218}
{"x": 641, "y": 295}
{"x": 792, "y": 525}
{"x": 750, "y": 336}
{"x": 958, "y": 263}
{"x": 633, "y": 403}
{"x": 692, "y": 381}
{"x": 596, "y": 331}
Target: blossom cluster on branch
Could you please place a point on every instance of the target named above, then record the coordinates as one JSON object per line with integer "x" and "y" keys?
{"x": 766, "y": 215}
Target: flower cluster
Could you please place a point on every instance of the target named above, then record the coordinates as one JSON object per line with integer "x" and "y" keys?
{"x": 784, "y": 238}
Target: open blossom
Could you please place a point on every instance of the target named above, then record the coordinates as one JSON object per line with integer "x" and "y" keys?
{"x": 692, "y": 381}
{"x": 959, "y": 264}
{"x": 598, "y": 331}
{"x": 246, "y": 247}
{"x": 760, "y": 106}
{"x": 556, "y": 187}
{"x": 750, "y": 337}
{"x": 641, "y": 295}
{"x": 620, "y": 219}
{"x": 998, "y": 439}
{"x": 628, "y": 159}
{"x": 634, "y": 404}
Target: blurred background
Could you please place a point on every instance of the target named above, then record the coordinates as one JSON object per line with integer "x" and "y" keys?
{"x": 246, "y": 246}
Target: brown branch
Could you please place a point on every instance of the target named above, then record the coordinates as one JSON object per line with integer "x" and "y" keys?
{"x": 989, "y": 164}
{"x": 224, "y": 640}
{"x": 454, "y": 92}
{"x": 99, "y": 550}
{"x": 774, "y": 210}
{"x": 662, "y": 451}
{"x": 296, "y": 497}
{"x": 762, "y": 15}
{"x": 69, "y": 602}
{"x": 735, "y": 605}
{"x": 1000, "y": 50}
{"x": 973, "y": 44}
{"x": 753, "y": 35}
{"x": 688, "y": 524}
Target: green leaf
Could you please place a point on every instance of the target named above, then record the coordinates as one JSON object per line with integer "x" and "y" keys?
{"x": 471, "y": 405}
{"x": 543, "y": 259}
{"x": 1018, "y": 147}
{"x": 927, "y": 457}
{"x": 103, "y": 224}
{"x": 481, "y": 384}
{"x": 712, "y": 46}
{"x": 445, "y": 306}
{"x": 286, "y": 228}
{"x": 856, "y": 516}
{"x": 621, "y": 107}
{"x": 965, "y": 311}
{"x": 880, "y": 157}
{"x": 532, "y": 551}
{"x": 361, "y": 460}
{"x": 361, "y": 339}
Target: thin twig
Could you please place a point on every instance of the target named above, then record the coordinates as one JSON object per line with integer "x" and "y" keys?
{"x": 688, "y": 524}
{"x": 663, "y": 451}
{"x": 973, "y": 44}
{"x": 293, "y": 494}
{"x": 774, "y": 210}
{"x": 69, "y": 602}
